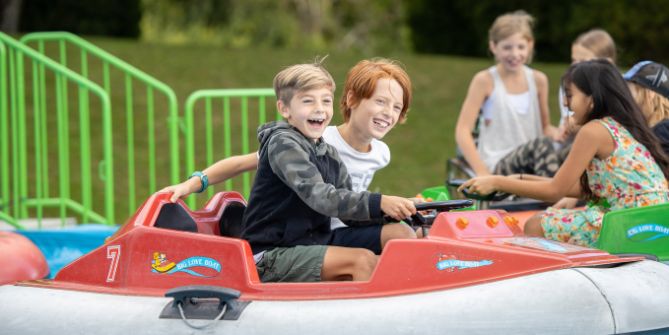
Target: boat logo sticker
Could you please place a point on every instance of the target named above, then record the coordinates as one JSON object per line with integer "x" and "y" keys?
{"x": 198, "y": 266}
{"x": 647, "y": 232}
{"x": 451, "y": 263}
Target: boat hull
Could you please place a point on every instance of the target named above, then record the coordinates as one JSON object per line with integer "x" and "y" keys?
{"x": 627, "y": 298}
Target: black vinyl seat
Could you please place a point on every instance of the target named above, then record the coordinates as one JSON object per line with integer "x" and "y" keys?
{"x": 231, "y": 220}
{"x": 175, "y": 217}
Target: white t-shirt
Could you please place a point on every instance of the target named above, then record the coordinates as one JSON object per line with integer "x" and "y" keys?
{"x": 361, "y": 166}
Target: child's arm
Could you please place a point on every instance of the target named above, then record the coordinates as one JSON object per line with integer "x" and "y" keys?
{"x": 290, "y": 162}
{"x": 479, "y": 89}
{"x": 396, "y": 207}
{"x": 542, "y": 92}
{"x": 592, "y": 140}
{"x": 220, "y": 171}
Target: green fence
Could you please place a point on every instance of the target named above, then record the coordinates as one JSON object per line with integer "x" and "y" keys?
{"x": 46, "y": 115}
{"x": 145, "y": 111}
{"x": 210, "y": 135}
{"x": 70, "y": 111}
{"x": 4, "y": 140}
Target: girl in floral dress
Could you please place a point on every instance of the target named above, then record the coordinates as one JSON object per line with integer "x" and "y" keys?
{"x": 616, "y": 161}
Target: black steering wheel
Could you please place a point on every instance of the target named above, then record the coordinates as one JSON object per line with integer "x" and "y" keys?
{"x": 494, "y": 196}
{"x": 433, "y": 208}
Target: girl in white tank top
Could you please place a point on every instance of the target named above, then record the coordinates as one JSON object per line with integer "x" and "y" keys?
{"x": 509, "y": 120}
{"x": 511, "y": 96}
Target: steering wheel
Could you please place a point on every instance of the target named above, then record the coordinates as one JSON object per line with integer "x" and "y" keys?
{"x": 494, "y": 196}
{"x": 434, "y": 208}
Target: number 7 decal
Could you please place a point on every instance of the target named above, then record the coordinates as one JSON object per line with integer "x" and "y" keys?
{"x": 113, "y": 253}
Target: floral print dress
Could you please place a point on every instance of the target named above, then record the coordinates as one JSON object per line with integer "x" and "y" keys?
{"x": 628, "y": 178}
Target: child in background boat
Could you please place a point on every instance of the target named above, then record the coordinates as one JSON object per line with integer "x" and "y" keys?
{"x": 544, "y": 155}
{"x": 615, "y": 161}
{"x": 649, "y": 83}
{"x": 512, "y": 98}
{"x": 370, "y": 111}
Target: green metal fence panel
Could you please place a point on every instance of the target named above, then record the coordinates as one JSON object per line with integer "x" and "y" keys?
{"x": 221, "y": 123}
{"x": 146, "y": 113}
{"x": 46, "y": 113}
{"x": 4, "y": 141}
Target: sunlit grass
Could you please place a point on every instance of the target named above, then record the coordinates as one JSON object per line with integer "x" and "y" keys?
{"x": 419, "y": 147}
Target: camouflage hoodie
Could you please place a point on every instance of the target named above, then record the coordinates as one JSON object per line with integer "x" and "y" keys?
{"x": 298, "y": 186}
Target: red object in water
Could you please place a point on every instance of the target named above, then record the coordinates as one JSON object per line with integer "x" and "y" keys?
{"x": 20, "y": 259}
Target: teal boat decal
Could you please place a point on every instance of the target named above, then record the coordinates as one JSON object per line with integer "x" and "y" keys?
{"x": 647, "y": 232}
{"x": 451, "y": 264}
{"x": 193, "y": 265}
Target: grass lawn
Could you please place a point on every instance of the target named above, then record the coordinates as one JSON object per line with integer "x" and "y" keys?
{"x": 419, "y": 147}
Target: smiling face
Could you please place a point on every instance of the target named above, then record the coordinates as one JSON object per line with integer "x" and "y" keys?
{"x": 309, "y": 111}
{"x": 578, "y": 102}
{"x": 375, "y": 116}
{"x": 512, "y": 52}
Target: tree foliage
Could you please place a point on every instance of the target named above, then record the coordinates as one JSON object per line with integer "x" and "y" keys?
{"x": 93, "y": 17}
{"x": 373, "y": 27}
{"x": 368, "y": 26}
{"x": 461, "y": 27}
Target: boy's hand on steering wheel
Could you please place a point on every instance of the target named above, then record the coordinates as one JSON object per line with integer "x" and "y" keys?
{"x": 397, "y": 207}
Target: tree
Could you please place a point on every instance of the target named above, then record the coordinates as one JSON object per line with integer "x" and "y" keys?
{"x": 11, "y": 10}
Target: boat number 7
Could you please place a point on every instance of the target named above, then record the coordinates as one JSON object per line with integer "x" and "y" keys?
{"x": 113, "y": 253}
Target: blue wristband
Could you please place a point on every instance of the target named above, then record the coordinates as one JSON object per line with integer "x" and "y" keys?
{"x": 204, "y": 180}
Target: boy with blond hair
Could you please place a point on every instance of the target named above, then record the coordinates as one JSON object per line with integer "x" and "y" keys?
{"x": 301, "y": 183}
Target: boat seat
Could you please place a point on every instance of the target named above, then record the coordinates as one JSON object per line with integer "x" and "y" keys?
{"x": 642, "y": 230}
{"x": 173, "y": 216}
{"x": 230, "y": 223}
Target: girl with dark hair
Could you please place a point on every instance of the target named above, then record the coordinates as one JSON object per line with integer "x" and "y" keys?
{"x": 615, "y": 162}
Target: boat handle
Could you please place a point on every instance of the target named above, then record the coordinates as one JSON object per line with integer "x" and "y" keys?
{"x": 223, "y": 294}
{"x": 184, "y": 293}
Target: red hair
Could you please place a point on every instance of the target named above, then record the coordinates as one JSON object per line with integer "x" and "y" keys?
{"x": 361, "y": 82}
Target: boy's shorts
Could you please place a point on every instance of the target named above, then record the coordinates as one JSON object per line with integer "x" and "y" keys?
{"x": 303, "y": 263}
{"x": 368, "y": 237}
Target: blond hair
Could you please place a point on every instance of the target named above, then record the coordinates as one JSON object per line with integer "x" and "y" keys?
{"x": 302, "y": 77}
{"x": 599, "y": 42}
{"x": 512, "y": 23}
{"x": 654, "y": 106}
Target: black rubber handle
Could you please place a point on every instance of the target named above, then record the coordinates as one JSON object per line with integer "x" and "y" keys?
{"x": 439, "y": 206}
{"x": 444, "y": 206}
{"x": 494, "y": 196}
{"x": 223, "y": 294}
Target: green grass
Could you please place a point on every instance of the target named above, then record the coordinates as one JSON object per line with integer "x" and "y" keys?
{"x": 419, "y": 147}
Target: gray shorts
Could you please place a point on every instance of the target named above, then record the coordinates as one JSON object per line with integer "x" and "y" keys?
{"x": 302, "y": 263}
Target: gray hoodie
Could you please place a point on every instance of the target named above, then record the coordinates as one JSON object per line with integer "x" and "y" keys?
{"x": 299, "y": 185}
